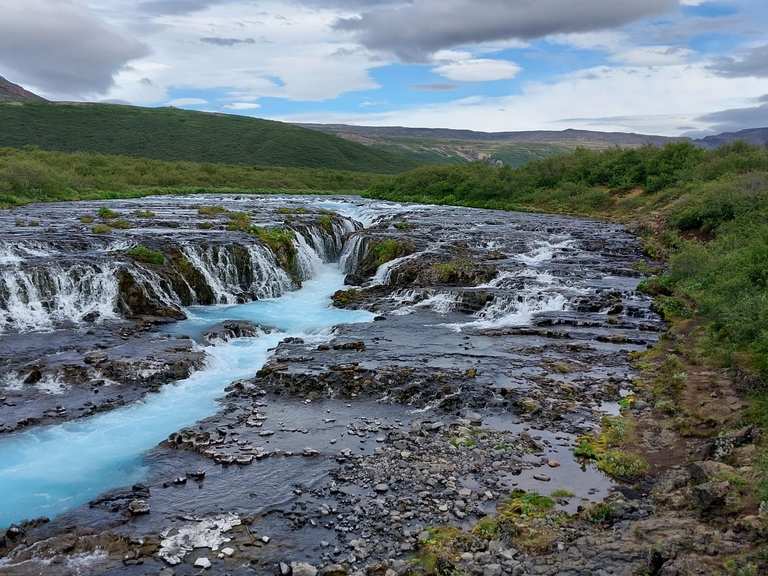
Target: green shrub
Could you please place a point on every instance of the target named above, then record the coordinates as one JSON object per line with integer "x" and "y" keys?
{"x": 107, "y": 214}
{"x": 211, "y": 210}
{"x": 121, "y": 224}
{"x": 239, "y": 222}
{"x": 146, "y": 255}
{"x": 101, "y": 229}
{"x": 386, "y": 250}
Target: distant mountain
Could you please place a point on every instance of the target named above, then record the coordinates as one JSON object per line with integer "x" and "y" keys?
{"x": 755, "y": 136}
{"x": 10, "y": 92}
{"x": 439, "y": 145}
{"x": 563, "y": 137}
{"x": 174, "y": 134}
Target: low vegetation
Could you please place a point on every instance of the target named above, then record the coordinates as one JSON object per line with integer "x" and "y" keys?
{"x": 32, "y": 175}
{"x": 389, "y": 249}
{"x": 144, "y": 254}
{"x": 609, "y": 449}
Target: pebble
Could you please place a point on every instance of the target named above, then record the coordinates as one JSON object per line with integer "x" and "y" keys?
{"x": 381, "y": 488}
{"x": 137, "y": 507}
{"x": 203, "y": 563}
{"x": 228, "y": 551}
{"x": 541, "y": 477}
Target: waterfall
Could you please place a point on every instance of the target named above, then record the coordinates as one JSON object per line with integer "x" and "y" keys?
{"x": 218, "y": 268}
{"x": 514, "y": 311}
{"x": 157, "y": 288}
{"x": 16, "y": 252}
{"x": 411, "y": 300}
{"x": 269, "y": 280}
{"x": 39, "y": 298}
{"x": 353, "y": 253}
{"x": 384, "y": 272}
{"x": 308, "y": 259}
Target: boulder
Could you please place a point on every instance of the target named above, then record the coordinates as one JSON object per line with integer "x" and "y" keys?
{"x": 232, "y": 329}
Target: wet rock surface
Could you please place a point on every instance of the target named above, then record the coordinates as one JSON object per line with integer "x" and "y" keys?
{"x": 499, "y": 338}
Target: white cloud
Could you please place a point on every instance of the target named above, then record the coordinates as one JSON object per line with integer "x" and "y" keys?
{"x": 653, "y": 56}
{"x": 297, "y": 54}
{"x": 179, "y": 102}
{"x": 478, "y": 70}
{"x": 652, "y": 100}
{"x": 243, "y": 106}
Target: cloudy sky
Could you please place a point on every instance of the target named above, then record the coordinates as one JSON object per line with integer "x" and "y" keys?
{"x": 653, "y": 66}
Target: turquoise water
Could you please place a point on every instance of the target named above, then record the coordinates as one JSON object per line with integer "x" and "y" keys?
{"x": 46, "y": 471}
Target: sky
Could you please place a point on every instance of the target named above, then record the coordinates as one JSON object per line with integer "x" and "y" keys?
{"x": 670, "y": 67}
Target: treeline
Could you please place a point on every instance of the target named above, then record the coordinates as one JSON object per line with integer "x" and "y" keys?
{"x": 706, "y": 211}
{"x": 32, "y": 175}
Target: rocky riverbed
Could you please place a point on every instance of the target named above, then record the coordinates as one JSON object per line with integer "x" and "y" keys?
{"x": 407, "y": 443}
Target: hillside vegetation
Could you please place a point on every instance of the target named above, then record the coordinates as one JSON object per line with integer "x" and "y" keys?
{"x": 172, "y": 134}
{"x": 32, "y": 175}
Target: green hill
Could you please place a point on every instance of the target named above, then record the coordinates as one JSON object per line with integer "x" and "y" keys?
{"x": 173, "y": 134}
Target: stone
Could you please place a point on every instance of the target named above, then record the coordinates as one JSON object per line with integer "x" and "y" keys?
{"x": 203, "y": 563}
{"x": 334, "y": 570}
{"x": 492, "y": 570}
{"x": 138, "y": 507}
{"x": 381, "y": 488}
{"x": 711, "y": 496}
{"x": 707, "y": 470}
{"x": 228, "y": 551}
{"x": 303, "y": 569}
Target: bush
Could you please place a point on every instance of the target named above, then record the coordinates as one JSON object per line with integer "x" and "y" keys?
{"x": 107, "y": 214}
{"x": 146, "y": 255}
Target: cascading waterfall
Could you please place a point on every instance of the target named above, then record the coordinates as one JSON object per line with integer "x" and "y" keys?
{"x": 155, "y": 287}
{"x": 507, "y": 311}
{"x": 352, "y": 254}
{"x": 384, "y": 273}
{"x": 40, "y": 295}
{"x": 308, "y": 259}
{"x": 411, "y": 300}
{"x": 269, "y": 280}
{"x": 217, "y": 266}
{"x": 39, "y": 298}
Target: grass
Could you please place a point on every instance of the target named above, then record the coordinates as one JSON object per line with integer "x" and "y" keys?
{"x": 211, "y": 210}
{"x": 389, "y": 249}
{"x": 183, "y": 135}
{"x": 455, "y": 270}
{"x": 107, "y": 214}
{"x": 31, "y": 175}
{"x": 608, "y": 449}
{"x": 326, "y": 222}
{"x": 146, "y": 255}
{"x": 101, "y": 229}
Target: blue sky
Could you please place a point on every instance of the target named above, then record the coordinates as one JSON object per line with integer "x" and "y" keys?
{"x": 653, "y": 66}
